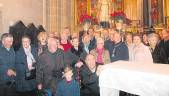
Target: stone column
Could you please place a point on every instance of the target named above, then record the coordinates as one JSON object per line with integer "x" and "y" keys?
{"x": 60, "y": 14}
{"x": 146, "y": 16}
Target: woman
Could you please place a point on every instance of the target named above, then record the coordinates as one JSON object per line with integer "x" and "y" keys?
{"x": 145, "y": 39}
{"x": 75, "y": 54}
{"x": 65, "y": 42}
{"x": 141, "y": 53}
{"x": 42, "y": 46}
{"x": 158, "y": 52}
{"x": 101, "y": 54}
{"x": 26, "y": 58}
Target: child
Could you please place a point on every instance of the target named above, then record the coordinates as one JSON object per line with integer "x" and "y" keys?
{"x": 68, "y": 86}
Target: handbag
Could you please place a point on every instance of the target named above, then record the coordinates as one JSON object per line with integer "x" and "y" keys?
{"x": 30, "y": 74}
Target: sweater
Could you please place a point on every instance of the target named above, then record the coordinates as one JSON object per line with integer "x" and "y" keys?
{"x": 68, "y": 89}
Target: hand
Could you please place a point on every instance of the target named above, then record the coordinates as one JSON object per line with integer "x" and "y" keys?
{"x": 99, "y": 69}
{"x": 39, "y": 86}
{"x": 79, "y": 64}
{"x": 61, "y": 47}
{"x": 11, "y": 72}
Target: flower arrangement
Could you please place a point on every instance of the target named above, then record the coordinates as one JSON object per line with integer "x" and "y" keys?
{"x": 120, "y": 16}
{"x": 85, "y": 18}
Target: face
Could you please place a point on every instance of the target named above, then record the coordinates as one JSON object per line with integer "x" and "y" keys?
{"x": 26, "y": 42}
{"x": 67, "y": 31}
{"x": 105, "y": 33}
{"x": 90, "y": 61}
{"x": 64, "y": 36}
{"x": 43, "y": 38}
{"x": 96, "y": 35}
{"x": 137, "y": 40}
{"x": 91, "y": 32}
{"x": 100, "y": 43}
{"x": 116, "y": 38}
{"x": 75, "y": 42}
{"x": 7, "y": 42}
{"x": 129, "y": 38}
{"x": 86, "y": 39}
{"x": 68, "y": 75}
{"x": 52, "y": 44}
{"x": 153, "y": 41}
{"x": 145, "y": 38}
{"x": 165, "y": 34}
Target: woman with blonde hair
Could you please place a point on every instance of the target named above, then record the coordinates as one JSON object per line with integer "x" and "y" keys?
{"x": 42, "y": 45}
{"x": 101, "y": 54}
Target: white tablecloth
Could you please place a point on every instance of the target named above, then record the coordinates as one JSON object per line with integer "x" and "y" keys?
{"x": 143, "y": 79}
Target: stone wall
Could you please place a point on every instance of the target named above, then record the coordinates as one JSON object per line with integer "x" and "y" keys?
{"x": 26, "y": 10}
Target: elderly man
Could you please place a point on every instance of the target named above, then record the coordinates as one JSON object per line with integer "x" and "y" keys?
{"x": 165, "y": 42}
{"x": 50, "y": 66}
{"x": 7, "y": 63}
{"x": 89, "y": 77}
{"x": 118, "y": 50}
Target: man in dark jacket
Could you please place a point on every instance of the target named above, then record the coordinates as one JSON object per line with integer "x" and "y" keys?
{"x": 89, "y": 77}
{"x": 118, "y": 50}
{"x": 164, "y": 43}
{"x": 7, "y": 63}
{"x": 50, "y": 66}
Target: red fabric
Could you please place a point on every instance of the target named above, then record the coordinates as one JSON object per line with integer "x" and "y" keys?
{"x": 67, "y": 46}
{"x": 99, "y": 56}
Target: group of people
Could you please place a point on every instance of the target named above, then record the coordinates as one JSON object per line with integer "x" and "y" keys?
{"x": 70, "y": 64}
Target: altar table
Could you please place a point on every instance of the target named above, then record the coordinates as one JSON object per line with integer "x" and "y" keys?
{"x": 144, "y": 79}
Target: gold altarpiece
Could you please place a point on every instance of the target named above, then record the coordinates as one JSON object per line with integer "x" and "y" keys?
{"x": 132, "y": 8}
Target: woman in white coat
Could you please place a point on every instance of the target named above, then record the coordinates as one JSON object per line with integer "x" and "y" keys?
{"x": 141, "y": 53}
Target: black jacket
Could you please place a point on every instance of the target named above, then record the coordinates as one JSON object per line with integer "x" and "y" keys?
{"x": 159, "y": 55}
{"x": 89, "y": 82}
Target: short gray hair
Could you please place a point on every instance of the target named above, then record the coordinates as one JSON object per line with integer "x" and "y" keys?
{"x": 5, "y": 35}
{"x": 153, "y": 35}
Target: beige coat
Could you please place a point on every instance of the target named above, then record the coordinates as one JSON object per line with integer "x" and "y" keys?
{"x": 105, "y": 56}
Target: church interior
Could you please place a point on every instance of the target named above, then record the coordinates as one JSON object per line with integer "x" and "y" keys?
{"x": 54, "y": 15}
{"x": 123, "y": 46}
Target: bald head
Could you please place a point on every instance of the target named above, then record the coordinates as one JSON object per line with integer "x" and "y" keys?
{"x": 52, "y": 44}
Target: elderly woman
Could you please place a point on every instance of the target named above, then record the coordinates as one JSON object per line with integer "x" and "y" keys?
{"x": 158, "y": 52}
{"x": 101, "y": 54}
{"x": 65, "y": 42}
{"x": 26, "y": 58}
{"x": 141, "y": 53}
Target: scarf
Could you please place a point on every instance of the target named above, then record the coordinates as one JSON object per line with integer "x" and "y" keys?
{"x": 29, "y": 57}
{"x": 99, "y": 56}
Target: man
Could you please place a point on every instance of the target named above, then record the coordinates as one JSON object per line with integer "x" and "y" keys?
{"x": 85, "y": 44}
{"x": 50, "y": 66}
{"x": 164, "y": 43}
{"x": 92, "y": 38}
{"x": 119, "y": 50}
{"x": 7, "y": 63}
{"x": 89, "y": 73}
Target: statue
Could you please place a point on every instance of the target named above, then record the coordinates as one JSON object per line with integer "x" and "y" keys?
{"x": 104, "y": 10}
